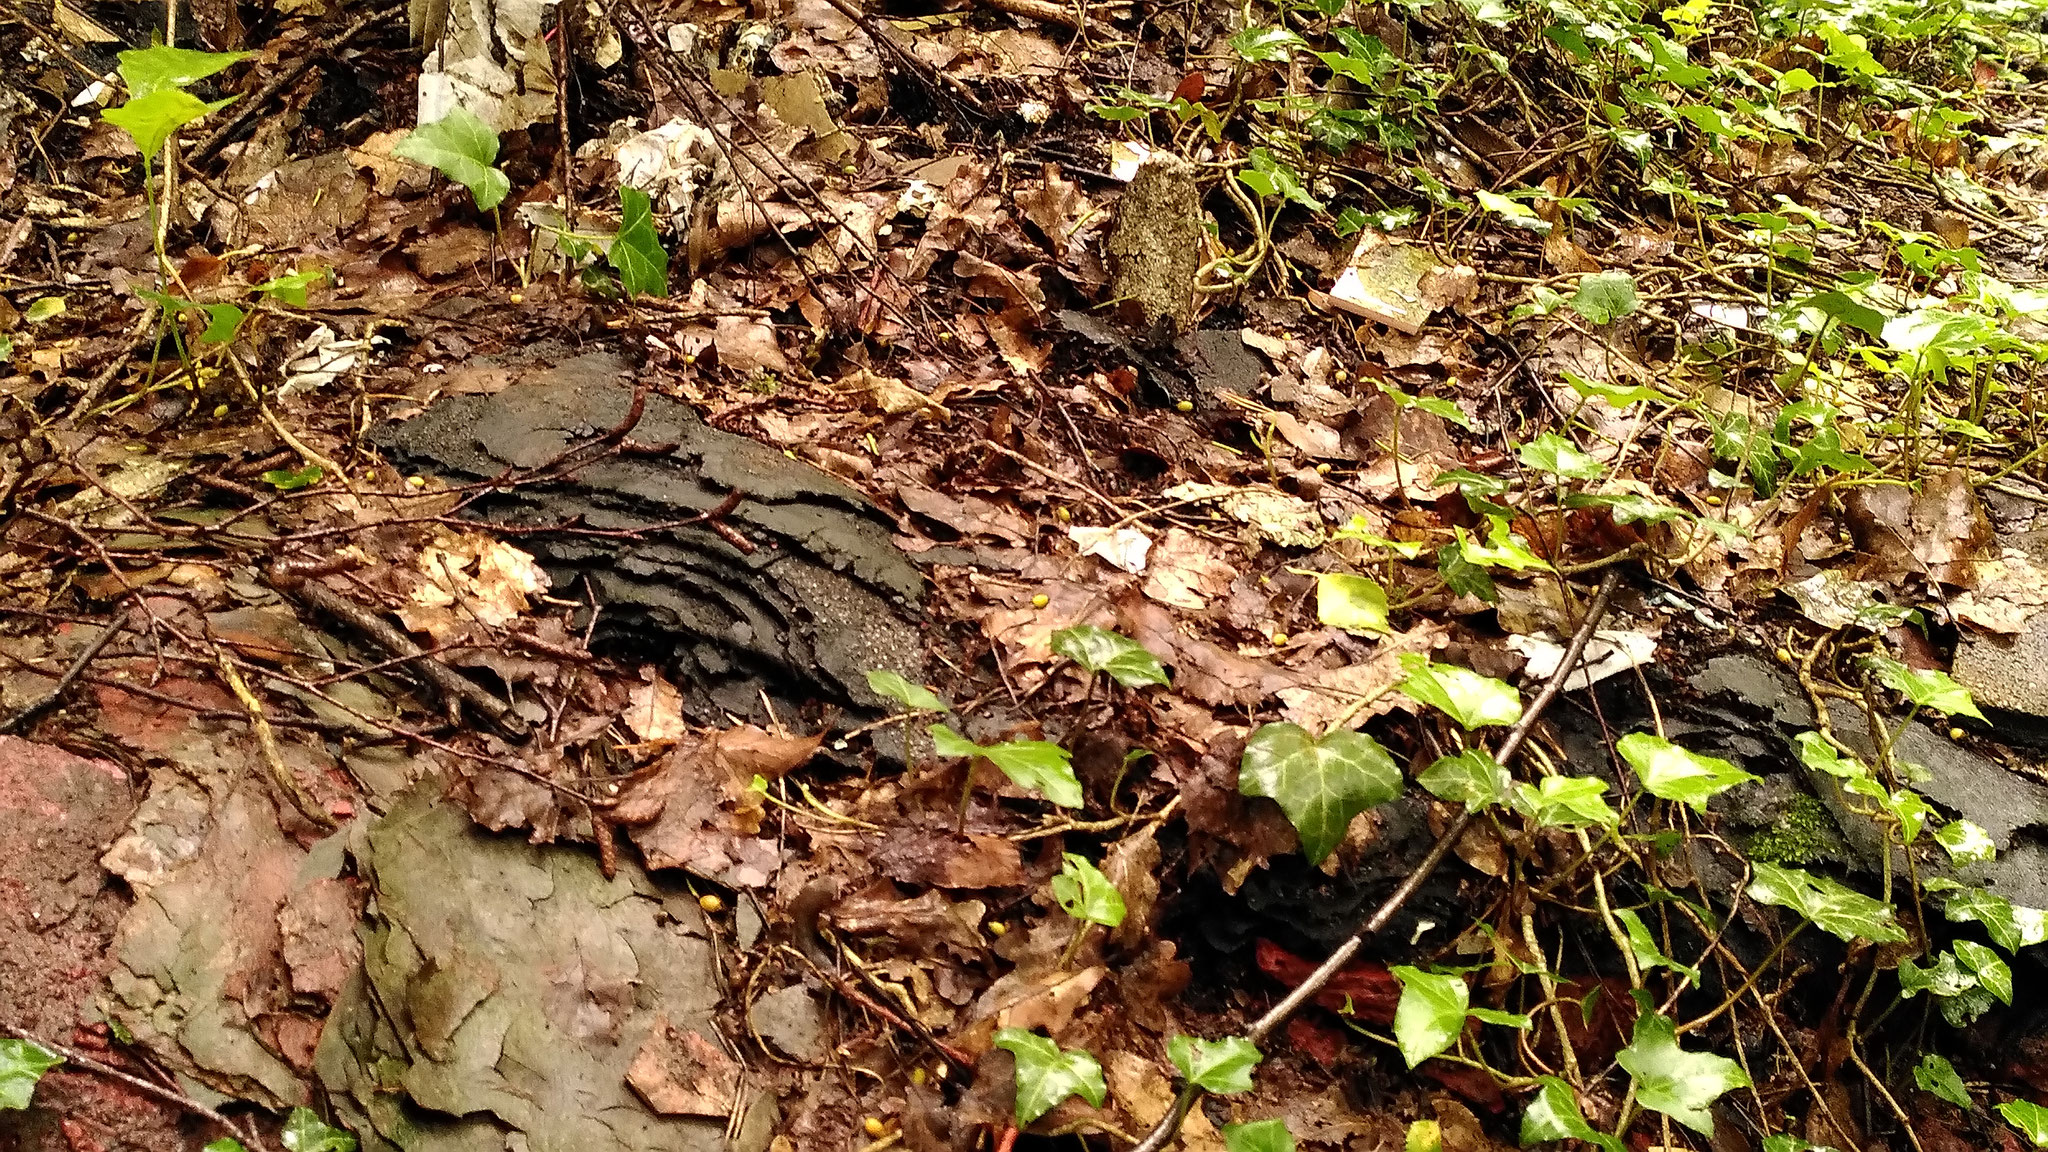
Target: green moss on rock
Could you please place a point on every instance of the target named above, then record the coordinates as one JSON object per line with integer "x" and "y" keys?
{"x": 1804, "y": 834}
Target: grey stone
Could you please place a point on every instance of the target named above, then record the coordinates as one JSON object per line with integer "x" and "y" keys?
{"x": 792, "y": 1020}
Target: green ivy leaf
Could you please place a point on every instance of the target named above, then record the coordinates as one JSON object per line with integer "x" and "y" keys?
{"x": 1554, "y": 1115}
{"x": 1424, "y": 1136}
{"x": 1566, "y": 802}
{"x": 1831, "y": 905}
{"x": 1047, "y": 1075}
{"x": 1671, "y": 1080}
{"x": 2030, "y": 1118}
{"x": 290, "y": 288}
{"x": 1503, "y": 549}
{"x": 1992, "y": 973}
{"x": 1320, "y": 784}
{"x": 462, "y": 148}
{"x": 1462, "y": 576}
{"x": 1035, "y": 764}
{"x": 149, "y": 120}
{"x": 223, "y": 321}
{"x": 156, "y": 69}
{"x": 2009, "y": 926}
{"x": 1128, "y": 662}
{"x": 305, "y": 1132}
{"x": 1965, "y": 842}
{"x": 22, "y": 1064}
{"x": 1780, "y": 1142}
{"x": 1625, "y": 507}
{"x": 1353, "y": 603}
{"x": 1472, "y": 778}
{"x": 1670, "y": 772}
{"x": 1474, "y": 701}
{"x": 1258, "y": 1136}
{"x": 1644, "y": 945}
{"x": 636, "y": 252}
{"x": 1925, "y": 688}
{"x": 1086, "y": 893}
{"x": 292, "y": 479}
{"x": 225, "y": 1144}
{"x": 1266, "y": 45}
{"x": 1430, "y": 1014}
{"x": 913, "y": 697}
{"x": 1604, "y": 297}
{"x": 1936, "y": 1075}
{"x": 1557, "y": 456}
{"x": 1220, "y": 1066}
{"x": 1608, "y": 392}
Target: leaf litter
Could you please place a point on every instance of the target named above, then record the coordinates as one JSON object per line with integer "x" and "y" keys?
{"x": 542, "y": 769}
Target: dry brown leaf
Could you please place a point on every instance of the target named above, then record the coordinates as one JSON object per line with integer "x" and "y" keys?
{"x": 683, "y": 1074}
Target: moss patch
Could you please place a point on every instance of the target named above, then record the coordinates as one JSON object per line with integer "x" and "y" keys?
{"x": 1804, "y": 834}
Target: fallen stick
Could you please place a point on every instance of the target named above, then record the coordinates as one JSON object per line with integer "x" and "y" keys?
{"x": 1169, "y": 1125}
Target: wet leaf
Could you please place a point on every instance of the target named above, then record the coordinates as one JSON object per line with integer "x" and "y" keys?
{"x": 913, "y": 697}
{"x": 462, "y": 148}
{"x": 1264, "y": 45}
{"x": 2030, "y": 1118}
{"x": 1319, "y": 784}
{"x": 305, "y": 1132}
{"x": 2009, "y": 926}
{"x": 1220, "y": 1066}
{"x": 1831, "y": 905}
{"x": 1258, "y": 1136}
{"x": 1553, "y": 454}
{"x": 1353, "y": 603}
{"x": 1043, "y": 767}
{"x": 1670, "y": 772}
{"x": 636, "y": 252}
{"x": 1472, "y": 778}
{"x": 1424, "y": 1136}
{"x": 1503, "y": 549}
{"x": 1671, "y": 1080}
{"x": 1566, "y": 802}
{"x": 1474, "y": 701}
{"x": 1095, "y": 649}
{"x": 1993, "y": 974}
{"x": 1554, "y": 1115}
{"x": 22, "y": 1064}
{"x": 1925, "y": 688}
{"x": 1431, "y": 1012}
{"x": 1046, "y": 1074}
{"x": 1965, "y": 842}
{"x": 1086, "y": 894}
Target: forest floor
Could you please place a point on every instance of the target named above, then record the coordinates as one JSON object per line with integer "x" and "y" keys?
{"x": 851, "y": 577}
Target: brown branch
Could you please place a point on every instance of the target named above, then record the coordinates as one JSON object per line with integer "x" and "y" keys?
{"x": 167, "y": 1095}
{"x": 255, "y": 104}
{"x": 48, "y": 700}
{"x": 1266, "y": 1025}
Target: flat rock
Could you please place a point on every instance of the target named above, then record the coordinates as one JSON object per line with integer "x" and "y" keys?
{"x": 2007, "y": 672}
{"x": 505, "y": 992}
{"x": 792, "y": 1020}
{"x": 813, "y": 596}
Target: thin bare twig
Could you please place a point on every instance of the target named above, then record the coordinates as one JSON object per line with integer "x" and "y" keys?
{"x": 247, "y": 1134}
